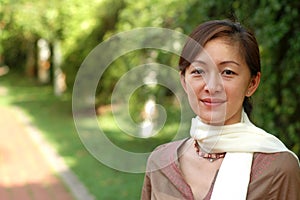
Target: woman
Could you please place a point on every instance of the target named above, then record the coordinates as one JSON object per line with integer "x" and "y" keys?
{"x": 227, "y": 157}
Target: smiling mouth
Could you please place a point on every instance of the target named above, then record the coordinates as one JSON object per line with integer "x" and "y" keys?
{"x": 212, "y": 102}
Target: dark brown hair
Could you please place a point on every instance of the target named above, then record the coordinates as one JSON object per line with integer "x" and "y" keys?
{"x": 223, "y": 28}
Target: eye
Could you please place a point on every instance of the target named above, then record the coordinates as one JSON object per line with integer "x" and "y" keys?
{"x": 198, "y": 71}
{"x": 228, "y": 72}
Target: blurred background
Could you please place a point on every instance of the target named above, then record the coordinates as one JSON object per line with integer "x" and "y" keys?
{"x": 43, "y": 43}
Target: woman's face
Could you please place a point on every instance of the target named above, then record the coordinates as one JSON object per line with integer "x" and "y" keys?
{"x": 217, "y": 82}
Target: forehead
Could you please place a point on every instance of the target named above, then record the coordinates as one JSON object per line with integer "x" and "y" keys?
{"x": 220, "y": 50}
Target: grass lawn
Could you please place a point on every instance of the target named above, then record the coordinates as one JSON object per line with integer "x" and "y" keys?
{"x": 53, "y": 116}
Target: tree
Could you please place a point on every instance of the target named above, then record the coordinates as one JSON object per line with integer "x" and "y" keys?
{"x": 81, "y": 25}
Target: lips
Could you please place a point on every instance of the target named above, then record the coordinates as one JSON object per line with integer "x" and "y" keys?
{"x": 212, "y": 101}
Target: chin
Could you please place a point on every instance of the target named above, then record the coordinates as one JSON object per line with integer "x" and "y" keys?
{"x": 213, "y": 118}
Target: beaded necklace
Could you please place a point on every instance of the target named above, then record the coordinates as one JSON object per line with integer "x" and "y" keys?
{"x": 211, "y": 157}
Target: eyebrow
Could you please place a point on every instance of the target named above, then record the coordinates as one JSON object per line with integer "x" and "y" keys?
{"x": 199, "y": 61}
{"x": 231, "y": 61}
{"x": 221, "y": 63}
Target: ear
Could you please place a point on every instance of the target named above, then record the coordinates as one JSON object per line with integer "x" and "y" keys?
{"x": 254, "y": 82}
{"x": 182, "y": 80}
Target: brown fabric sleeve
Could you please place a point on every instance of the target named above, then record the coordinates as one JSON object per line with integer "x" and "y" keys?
{"x": 286, "y": 179}
{"x": 274, "y": 176}
{"x": 163, "y": 179}
{"x": 146, "y": 190}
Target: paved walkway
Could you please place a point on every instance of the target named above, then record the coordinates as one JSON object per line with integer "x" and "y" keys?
{"x": 25, "y": 174}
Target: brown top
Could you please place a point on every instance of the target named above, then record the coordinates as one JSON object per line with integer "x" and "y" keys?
{"x": 274, "y": 176}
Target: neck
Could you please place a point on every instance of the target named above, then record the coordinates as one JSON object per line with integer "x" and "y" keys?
{"x": 236, "y": 118}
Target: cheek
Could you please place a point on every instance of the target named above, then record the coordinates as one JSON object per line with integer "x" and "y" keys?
{"x": 193, "y": 91}
{"x": 194, "y": 88}
{"x": 236, "y": 93}
{"x": 192, "y": 94}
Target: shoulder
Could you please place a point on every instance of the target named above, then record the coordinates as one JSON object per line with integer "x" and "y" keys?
{"x": 280, "y": 165}
{"x": 287, "y": 161}
{"x": 286, "y": 166}
{"x": 282, "y": 161}
{"x": 164, "y": 155}
{"x": 170, "y": 145}
{"x": 274, "y": 176}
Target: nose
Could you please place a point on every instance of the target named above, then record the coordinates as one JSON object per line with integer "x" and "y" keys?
{"x": 213, "y": 83}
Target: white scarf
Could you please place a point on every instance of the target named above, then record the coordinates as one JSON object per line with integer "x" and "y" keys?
{"x": 240, "y": 141}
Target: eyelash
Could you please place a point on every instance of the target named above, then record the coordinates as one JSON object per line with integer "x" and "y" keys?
{"x": 226, "y": 72}
{"x": 198, "y": 71}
